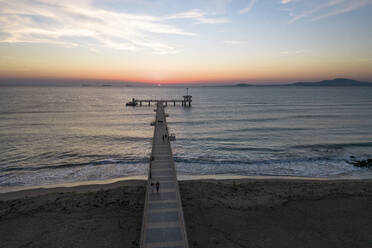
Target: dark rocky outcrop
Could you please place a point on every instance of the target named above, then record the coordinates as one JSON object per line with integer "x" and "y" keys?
{"x": 364, "y": 163}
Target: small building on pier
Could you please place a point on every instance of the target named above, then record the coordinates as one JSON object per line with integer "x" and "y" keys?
{"x": 187, "y": 99}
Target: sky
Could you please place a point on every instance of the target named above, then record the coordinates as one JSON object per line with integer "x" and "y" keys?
{"x": 177, "y": 41}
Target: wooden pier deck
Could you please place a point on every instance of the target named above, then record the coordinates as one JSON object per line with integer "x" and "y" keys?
{"x": 163, "y": 223}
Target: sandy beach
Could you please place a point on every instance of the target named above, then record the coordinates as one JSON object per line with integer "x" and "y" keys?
{"x": 218, "y": 213}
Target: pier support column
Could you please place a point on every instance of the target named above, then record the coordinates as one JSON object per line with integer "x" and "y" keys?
{"x": 174, "y": 103}
{"x": 140, "y": 103}
{"x": 149, "y": 103}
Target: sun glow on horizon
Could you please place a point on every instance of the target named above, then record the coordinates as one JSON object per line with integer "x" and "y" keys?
{"x": 187, "y": 42}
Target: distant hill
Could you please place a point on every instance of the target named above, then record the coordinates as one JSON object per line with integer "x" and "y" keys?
{"x": 334, "y": 82}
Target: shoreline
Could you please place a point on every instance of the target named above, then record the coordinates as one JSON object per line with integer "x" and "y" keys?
{"x": 231, "y": 213}
{"x": 110, "y": 183}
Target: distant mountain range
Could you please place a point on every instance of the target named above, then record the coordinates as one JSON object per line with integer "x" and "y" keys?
{"x": 335, "y": 82}
{"x": 329, "y": 83}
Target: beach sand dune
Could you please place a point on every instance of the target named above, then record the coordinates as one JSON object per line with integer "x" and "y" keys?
{"x": 218, "y": 213}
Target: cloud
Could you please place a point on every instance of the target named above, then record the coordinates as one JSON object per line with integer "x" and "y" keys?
{"x": 320, "y": 9}
{"x": 249, "y": 7}
{"x": 199, "y": 16}
{"x": 74, "y": 23}
{"x": 301, "y": 51}
{"x": 234, "y": 42}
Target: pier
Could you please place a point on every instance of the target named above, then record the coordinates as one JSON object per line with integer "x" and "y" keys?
{"x": 163, "y": 223}
{"x": 185, "y": 101}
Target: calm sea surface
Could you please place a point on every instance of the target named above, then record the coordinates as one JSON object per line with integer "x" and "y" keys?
{"x": 51, "y": 135}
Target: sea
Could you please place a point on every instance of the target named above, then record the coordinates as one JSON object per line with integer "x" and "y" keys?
{"x": 69, "y": 134}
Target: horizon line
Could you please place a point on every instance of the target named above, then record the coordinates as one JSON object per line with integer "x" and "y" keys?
{"x": 59, "y": 80}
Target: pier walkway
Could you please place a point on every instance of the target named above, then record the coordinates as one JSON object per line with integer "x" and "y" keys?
{"x": 163, "y": 223}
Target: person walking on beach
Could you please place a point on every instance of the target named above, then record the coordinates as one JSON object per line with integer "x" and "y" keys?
{"x": 157, "y": 186}
{"x": 152, "y": 187}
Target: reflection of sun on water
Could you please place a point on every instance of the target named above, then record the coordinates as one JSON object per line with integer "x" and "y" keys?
{"x": 159, "y": 85}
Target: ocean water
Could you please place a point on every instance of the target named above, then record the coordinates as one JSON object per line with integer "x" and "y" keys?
{"x": 53, "y": 135}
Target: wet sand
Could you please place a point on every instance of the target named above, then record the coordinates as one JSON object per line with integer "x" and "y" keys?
{"x": 218, "y": 213}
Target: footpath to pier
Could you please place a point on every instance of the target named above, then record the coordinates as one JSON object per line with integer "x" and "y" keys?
{"x": 163, "y": 223}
